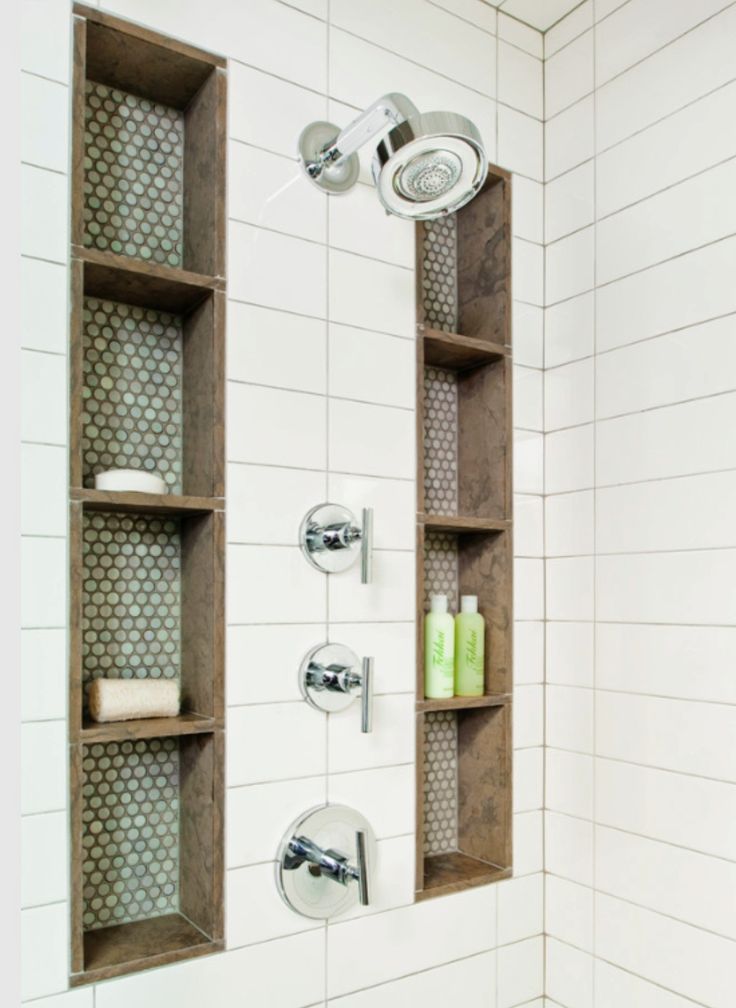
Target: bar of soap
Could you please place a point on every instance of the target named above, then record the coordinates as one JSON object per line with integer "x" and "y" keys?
{"x": 130, "y": 480}
{"x": 127, "y": 699}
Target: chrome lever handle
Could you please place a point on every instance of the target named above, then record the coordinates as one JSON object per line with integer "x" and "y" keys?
{"x": 366, "y": 547}
{"x": 366, "y": 699}
{"x": 362, "y": 876}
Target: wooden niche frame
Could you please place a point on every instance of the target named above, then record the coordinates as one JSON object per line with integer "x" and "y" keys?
{"x": 464, "y": 345}
{"x": 130, "y": 58}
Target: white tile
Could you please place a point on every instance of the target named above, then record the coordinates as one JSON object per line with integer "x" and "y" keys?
{"x": 680, "y": 735}
{"x": 392, "y": 645}
{"x": 569, "y": 138}
{"x": 695, "y": 888}
{"x": 45, "y": 39}
{"x": 568, "y": 847}
{"x": 655, "y": 87}
{"x": 569, "y": 524}
{"x": 690, "y": 289}
{"x": 694, "y": 139}
{"x": 659, "y": 515}
{"x": 568, "y": 74}
{"x": 271, "y": 191}
{"x": 371, "y": 367}
{"x": 44, "y": 933}
{"x": 43, "y": 319}
{"x": 575, "y": 23}
{"x": 410, "y": 939}
{"x": 568, "y": 975}
{"x": 266, "y": 504}
{"x": 389, "y": 744}
{"x": 570, "y": 653}
{"x": 385, "y": 796}
{"x": 527, "y": 211}
{"x": 680, "y": 661}
{"x": 569, "y": 202}
{"x": 520, "y": 908}
{"x": 528, "y": 716}
{"x": 528, "y": 398}
{"x": 80, "y": 998}
{"x": 44, "y": 112}
{"x": 569, "y": 783}
{"x": 247, "y": 888}
{"x": 476, "y": 11}
{"x": 639, "y": 29}
{"x": 528, "y": 526}
{"x": 703, "y": 207}
{"x": 520, "y": 34}
{"x": 520, "y": 972}
{"x": 357, "y": 223}
{"x": 615, "y": 987}
{"x": 43, "y": 582}
{"x": 371, "y": 440}
{"x": 690, "y": 587}
{"x": 275, "y": 427}
{"x": 650, "y": 802}
{"x": 568, "y": 330}
{"x": 317, "y": 8}
{"x": 263, "y": 662}
{"x": 43, "y": 674}
{"x": 528, "y": 589}
{"x": 527, "y": 264}
{"x": 271, "y": 742}
{"x": 267, "y": 347}
{"x": 528, "y": 779}
{"x": 520, "y": 143}
{"x": 605, "y": 7}
{"x": 699, "y": 965}
{"x": 569, "y": 718}
{"x": 389, "y": 596}
{"x": 393, "y": 502}
{"x": 371, "y": 294}
{"x": 570, "y": 588}
{"x": 568, "y": 912}
{"x": 259, "y": 263}
{"x": 44, "y": 223}
{"x": 520, "y": 80}
{"x": 269, "y": 112}
{"x": 44, "y": 862}
{"x": 248, "y": 972}
{"x": 528, "y": 323}
{"x": 541, "y": 16}
{"x": 569, "y": 395}
{"x": 471, "y": 981}
{"x": 569, "y": 459}
{"x": 660, "y": 371}
{"x": 259, "y": 815}
{"x": 43, "y": 397}
{"x": 392, "y": 884}
{"x": 528, "y": 462}
{"x": 569, "y": 265}
{"x": 43, "y": 490}
{"x": 273, "y": 584}
{"x": 528, "y": 830}
{"x": 528, "y": 653}
{"x": 673, "y": 441}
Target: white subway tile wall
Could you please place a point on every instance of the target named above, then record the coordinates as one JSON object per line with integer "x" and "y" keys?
{"x": 640, "y": 845}
{"x": 320, "y": 395}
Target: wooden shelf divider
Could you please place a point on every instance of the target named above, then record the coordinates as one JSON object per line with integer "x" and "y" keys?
{"x": 458, "y": 703}
{"x": 456, "y": 352}
{"x": 144, "y": 503}
{"x": 146, "y": 728}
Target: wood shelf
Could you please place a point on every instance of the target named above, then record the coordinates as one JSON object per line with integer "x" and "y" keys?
{"x": 127, "y": 948}
{"x": 463, "y": 525}
{"x": 449, "y": 873}
{"x": 146, "y": 728}
{"x": 456, "y": 352}
{"x": 463, "y": 703}
{"x": 144, "y": 503}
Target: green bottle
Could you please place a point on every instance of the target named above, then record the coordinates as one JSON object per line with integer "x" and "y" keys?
{"x": 439, "y": 650}
{"x": 469, "y": 647}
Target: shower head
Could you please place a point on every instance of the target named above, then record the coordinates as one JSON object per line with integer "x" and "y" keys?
{"x": 428, "y": 164}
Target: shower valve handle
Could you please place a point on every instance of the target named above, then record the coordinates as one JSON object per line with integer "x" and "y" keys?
{"x": 330, "y": 539}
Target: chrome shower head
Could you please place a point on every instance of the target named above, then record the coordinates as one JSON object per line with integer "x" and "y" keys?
{"x": 427, "y": 164}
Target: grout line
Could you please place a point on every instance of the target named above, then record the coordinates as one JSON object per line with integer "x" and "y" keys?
{"x": 318, "y": 318}
{"x": 619, "y": 760}
{"x": 320, "y": 395}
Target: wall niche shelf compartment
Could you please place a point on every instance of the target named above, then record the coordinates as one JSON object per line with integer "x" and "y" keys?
{"x": 464, "y": 534}
{"x": 147, "y": 570}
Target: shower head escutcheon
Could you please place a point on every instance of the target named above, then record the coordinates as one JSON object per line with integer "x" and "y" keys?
{"x": 426, "y": 165}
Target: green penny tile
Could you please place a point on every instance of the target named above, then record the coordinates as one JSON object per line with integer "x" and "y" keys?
{"x": 133, "y": 176}
{"x": 440, "y": 783}
{"x": 439, "y": 293}
{"x": 130, "y": 831}
{"x": 131, "y": 397}
{"x": 440, "y": 440}
{"x": 131, "y": 597}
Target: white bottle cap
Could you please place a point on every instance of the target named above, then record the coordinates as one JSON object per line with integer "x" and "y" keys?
{"x": 438, "y": 603}
{"x": 469, "y": 603}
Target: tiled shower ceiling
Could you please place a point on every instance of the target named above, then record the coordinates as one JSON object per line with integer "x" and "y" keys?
{"x": 540, "y": 14}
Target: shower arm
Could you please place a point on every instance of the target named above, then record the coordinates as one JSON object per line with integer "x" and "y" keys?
{"x": 390, "y": 110}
